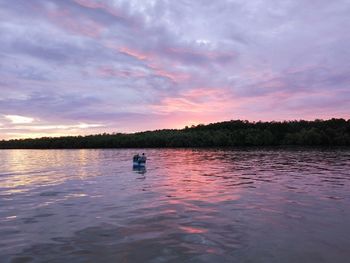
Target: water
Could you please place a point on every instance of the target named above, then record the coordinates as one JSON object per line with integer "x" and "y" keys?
{"x": 188, "y": 206}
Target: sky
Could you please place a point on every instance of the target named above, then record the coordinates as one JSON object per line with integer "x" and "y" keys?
{"x": 70, "y": 67}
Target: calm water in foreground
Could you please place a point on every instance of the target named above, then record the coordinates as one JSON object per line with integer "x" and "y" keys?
{"x": 188, "y": 206}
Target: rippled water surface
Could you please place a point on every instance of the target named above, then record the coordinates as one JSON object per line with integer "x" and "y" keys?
{"x": 188, "y": 206}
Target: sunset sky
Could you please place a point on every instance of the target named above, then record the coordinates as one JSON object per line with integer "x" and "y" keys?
{"x": 71, "y": 67}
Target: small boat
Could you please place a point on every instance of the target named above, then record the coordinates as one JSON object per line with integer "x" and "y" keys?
{"x": 139, "y": 160}
{"x": 139, "y": 169}
{"x": 139, "y": 164}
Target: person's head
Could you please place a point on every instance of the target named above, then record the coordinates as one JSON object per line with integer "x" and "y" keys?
{"x": 143, "y": 153}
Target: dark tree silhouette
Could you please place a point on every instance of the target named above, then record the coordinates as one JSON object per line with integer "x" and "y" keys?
{"x": 333, "y": 132}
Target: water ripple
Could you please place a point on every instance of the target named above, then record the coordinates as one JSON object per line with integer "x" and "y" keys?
{"x": 189, "y": 205}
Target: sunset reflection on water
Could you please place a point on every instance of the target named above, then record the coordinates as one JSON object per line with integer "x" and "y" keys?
{"x": 192, "y": 177}
{"x": 29, "y": 169}
{"x": 187, "y": 205}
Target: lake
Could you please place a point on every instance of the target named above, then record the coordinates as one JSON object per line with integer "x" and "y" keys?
{"x": 188, "y": 205}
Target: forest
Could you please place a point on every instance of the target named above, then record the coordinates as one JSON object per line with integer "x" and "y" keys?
{"x": 332, "y": 132}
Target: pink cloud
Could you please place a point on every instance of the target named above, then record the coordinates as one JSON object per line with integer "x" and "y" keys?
{"x": 106, "y": 71}
{"x": 199, "y": 100}
{"x": 173, "y": 76}
{"x": 153, "y": 64}
{"x": 134, "y": 53}
{"x": 90, "y": 4}
{"x": 108, "y": 9}
{"x": 67, "y": 20}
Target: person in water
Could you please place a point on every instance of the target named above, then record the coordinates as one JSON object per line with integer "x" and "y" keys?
{"x": 143, "y": 158}
{"x": 136, "y": 157}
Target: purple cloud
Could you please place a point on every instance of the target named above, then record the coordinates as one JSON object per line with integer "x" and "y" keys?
{"x": 86, "y": 66}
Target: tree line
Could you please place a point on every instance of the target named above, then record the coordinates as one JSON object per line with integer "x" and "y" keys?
{"x": 333, "y": 132}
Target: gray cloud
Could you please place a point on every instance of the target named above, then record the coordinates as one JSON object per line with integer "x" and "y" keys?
{"x": 66, "y": 61}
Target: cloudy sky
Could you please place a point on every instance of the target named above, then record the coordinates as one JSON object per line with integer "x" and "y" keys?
{"x": 89, "y": 66}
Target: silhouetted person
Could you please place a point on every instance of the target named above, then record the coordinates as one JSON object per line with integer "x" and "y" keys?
{"x": 136, "y": 157}
{"x": 143, "y": 158}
